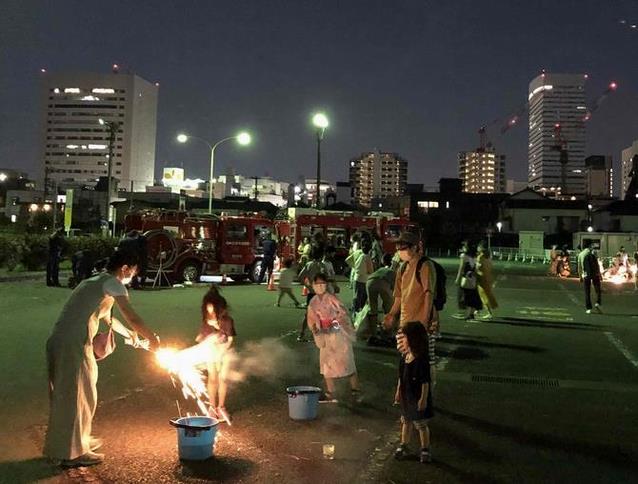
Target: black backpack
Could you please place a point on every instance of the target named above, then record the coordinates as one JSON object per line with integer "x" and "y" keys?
{"x": 440, "y": 296}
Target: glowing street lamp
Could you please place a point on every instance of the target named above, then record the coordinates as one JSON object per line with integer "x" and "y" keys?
{"x": 3, "y": 177}
{"x": 499, "y": 225}
{"x": 242, "y": 138}
{"x": 320, "y": 121}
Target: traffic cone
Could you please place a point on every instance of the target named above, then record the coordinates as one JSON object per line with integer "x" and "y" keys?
{"x": 304, "y": 291}
{"x": 271, "y": 282}
{"x": 224, "y": 280}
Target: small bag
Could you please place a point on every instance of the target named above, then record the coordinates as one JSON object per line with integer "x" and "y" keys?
{"x": 468, "y": 281}
{"x": 104, "y": 344}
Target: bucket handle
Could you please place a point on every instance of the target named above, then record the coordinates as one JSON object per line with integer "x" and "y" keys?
{"x": 176, "y": 424}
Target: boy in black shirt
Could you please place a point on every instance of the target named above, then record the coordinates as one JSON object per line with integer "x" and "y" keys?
{"x": 414, "y": 391}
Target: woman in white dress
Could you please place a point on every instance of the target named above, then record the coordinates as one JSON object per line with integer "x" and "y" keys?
{"x": 72, "y": 367}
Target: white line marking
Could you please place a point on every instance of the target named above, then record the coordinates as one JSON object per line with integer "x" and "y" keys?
{"x": 620, "y": 346}
{"x": 571, "y": 297}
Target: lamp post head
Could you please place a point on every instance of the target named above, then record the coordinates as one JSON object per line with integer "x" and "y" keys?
{"x": 244, "y": 138}
{"x": 499, "y": 225}
{"x": 320, "y": 121}
{"x": 182, "y": 138}
{"x": 3, "y": 177}
{"x": 590, "y": 229}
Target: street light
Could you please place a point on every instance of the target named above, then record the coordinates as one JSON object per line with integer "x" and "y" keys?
{"x": 499, "y": 225}
{"x": 113, "y": 127}
{"x": 242, "y": 138}
{"x": 320, "y": 121}
{"x": 3, "y": 177}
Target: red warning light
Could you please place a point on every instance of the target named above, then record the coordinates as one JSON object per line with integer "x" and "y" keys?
{"x": 613, "y": 86}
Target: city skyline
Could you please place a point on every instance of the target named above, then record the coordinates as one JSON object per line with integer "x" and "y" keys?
{"x": 423, "y": 91}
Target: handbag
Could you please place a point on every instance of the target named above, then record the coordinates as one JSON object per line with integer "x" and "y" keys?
{"x": 468, "y": 281}
{"x": 104, "y": 344}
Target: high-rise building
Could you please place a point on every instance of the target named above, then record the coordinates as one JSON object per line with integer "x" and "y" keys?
{"x": 482, "y": 170}
{"x": 626, "y": 157}
{"x": 75, "y": 144}
{"x": 557, "y": 110}
{"x": 377, "y": 174}
{"x": 599, "y": 176}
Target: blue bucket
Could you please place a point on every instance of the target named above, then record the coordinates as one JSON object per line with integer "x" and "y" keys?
{"x": 303, "y": 402}
{"x": 195, "y": 437}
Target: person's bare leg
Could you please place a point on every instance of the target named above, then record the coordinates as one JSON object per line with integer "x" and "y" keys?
{"x": 354, "y": 383}
{"x": 212, "y": 385}
{"x": 424, "y": 436}
{"x": 330, "y": 386}
{"x": 406, "y": 432}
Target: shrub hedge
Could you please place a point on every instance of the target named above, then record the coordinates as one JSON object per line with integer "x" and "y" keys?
{"x": 31, "y": 251}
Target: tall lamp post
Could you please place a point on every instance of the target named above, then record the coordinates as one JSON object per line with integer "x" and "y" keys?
{"x": 320, "y": 121}
{"x": 113, "y": 127}
{"x": 242, "y": 138}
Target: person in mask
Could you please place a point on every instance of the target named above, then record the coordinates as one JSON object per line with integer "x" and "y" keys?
{"x": 71, "y": 363}
{"x": 333, "y": 333}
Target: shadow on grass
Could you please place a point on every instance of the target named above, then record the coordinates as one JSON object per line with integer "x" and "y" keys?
{"x": 29, "y": 470}
{"x": 615, "y": 455}
{"x": 215, "y": 469}
{"x": 543, "y": 323}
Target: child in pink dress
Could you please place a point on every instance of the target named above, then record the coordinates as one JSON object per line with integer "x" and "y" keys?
{"x": 333, "y": 333}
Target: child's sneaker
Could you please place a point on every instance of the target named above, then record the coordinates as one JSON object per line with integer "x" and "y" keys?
{"x": 425, "y": 457}
{"x": 327, "y": 398}
{"x": 402, "y": 452}
{"x": 357, "y": 396}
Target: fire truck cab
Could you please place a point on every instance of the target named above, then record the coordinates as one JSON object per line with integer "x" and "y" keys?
{"x": 185, "y": 246}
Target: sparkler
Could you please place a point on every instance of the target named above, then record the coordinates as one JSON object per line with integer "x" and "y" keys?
{"x": 185, "y": 366}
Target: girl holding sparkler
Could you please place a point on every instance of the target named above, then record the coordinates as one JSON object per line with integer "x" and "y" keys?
{"x": 217, "y": 328}
{"x": 330, "y": 324}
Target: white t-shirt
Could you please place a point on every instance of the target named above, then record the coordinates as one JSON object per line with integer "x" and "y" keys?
{"x": 114, "y": 287}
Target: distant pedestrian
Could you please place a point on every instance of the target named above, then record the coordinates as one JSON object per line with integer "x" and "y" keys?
{"x": 306, "y": 276}
{"x": 376, "y": 252}
{"x": 553, "y": 261}
{"x": 303, "y": 251}
{"x": 269, "y": 247}
{"x": 486, "y": 281}
{"x": 414, "y": 391}
{"x": 56, "y": 246}
{"x": 286, "y": 277}
{"x": 333, "y": 334}
{"x": 589, "y": 274}
{"x": 467, "y": 281}
{"x": 380, "y": 284}
{"x": 362, "y": 267}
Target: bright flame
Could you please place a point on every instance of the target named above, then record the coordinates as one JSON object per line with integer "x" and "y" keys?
{"x": 186, "y": 366}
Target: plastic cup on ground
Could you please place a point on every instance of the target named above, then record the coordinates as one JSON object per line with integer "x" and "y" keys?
{"x": 329, "y": 451}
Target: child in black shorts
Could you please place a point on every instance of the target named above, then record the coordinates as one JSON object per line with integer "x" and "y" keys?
{"x": 414, "y": 391}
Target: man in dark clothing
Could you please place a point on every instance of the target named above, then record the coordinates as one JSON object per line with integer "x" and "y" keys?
{"x": 56, "y": 245}
{"x": 589, "y": 273}
{"x": 270, "y": 252}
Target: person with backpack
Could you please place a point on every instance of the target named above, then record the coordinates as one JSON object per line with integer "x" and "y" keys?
{"x": 467, "y": 281}
{"x": 415, "y": 291}
{"x": 589, "y": 274}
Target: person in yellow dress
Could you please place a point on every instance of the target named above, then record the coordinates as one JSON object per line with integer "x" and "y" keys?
{"x": 485, "y": 273}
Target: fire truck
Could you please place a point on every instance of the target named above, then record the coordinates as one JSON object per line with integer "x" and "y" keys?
{"x": 184, "y": 245}
{"x": 337, "y": 228}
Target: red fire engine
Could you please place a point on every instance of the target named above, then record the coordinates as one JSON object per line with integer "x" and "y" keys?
{"x": 337, "y": 228}
{"x": 188, "y": 245}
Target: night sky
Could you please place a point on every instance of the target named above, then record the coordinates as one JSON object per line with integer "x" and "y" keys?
{"x": 415, "y": 77}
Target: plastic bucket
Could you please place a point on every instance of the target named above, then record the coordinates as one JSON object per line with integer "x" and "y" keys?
{"x": 303, "y": 402}
{"x": 195, "y": 437}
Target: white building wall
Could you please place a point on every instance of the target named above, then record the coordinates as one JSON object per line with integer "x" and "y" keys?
{"x": 556, "y": 98}
{"x": 626, "y": 165}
